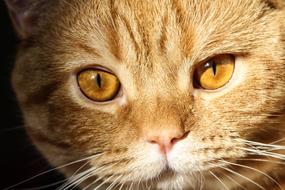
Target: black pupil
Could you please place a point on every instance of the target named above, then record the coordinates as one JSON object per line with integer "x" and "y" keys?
{"x": 214, "y": 67}
{"x": 98, "y": 80}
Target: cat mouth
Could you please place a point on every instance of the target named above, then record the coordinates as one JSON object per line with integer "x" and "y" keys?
{"x": 167, "y": 172}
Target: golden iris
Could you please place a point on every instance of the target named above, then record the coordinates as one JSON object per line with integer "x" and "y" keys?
{"x": 215, "y": 73}
{"x": 98, "y": 85}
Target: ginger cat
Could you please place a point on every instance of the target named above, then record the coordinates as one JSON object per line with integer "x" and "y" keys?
{"x": 155, "y": 94}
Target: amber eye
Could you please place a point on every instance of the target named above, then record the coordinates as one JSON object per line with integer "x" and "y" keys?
{"x": 215, "y": 73}
{"x": 98, "y": 85}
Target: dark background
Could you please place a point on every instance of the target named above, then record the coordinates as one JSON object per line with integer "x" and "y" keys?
{"x": 18, "y": 158}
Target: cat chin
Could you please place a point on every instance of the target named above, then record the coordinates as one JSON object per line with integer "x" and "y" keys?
{"x": 188, "y": 182}
{"x": 177, "y": 182}
{"x": 181, "y": 181}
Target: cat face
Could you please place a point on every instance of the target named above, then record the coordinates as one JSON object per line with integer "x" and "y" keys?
{"x": 153, "y": 93}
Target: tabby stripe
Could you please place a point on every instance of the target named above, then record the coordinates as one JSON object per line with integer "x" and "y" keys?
{"x": 88, "y": 49}
{"x": 132, "y": 36}
{"x": 43, "y": 94}
{"x": 272, "y": 4}
{"x": 181, "y": 16}
{"x": 116, "y": 162}
{"x": 163, "y": 38}
{"x": 144, "y": 37}
{"x": 180, "y": 13}
{"x": 113, "y": 36}
{"x": 41, "y": 138}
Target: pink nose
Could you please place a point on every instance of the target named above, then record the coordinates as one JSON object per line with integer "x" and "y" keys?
{"x": 165, "y": 138}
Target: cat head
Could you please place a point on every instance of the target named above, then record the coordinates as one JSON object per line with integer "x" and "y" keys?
{"x": 151, "y": 92}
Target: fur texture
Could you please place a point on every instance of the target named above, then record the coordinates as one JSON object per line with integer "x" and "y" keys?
{"x": 153, "y": 46}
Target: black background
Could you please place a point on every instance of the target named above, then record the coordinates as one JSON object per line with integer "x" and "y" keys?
{"x": 18, "y": 158}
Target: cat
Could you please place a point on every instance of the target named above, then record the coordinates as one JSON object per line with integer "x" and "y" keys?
{"x": 155, "y": 94}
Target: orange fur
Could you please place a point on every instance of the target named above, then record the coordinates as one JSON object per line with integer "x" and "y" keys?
{"x": 153, "y": 46}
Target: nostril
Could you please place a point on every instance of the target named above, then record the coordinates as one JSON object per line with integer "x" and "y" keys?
{"x": 176, "y": 139}
{"x": 168, "y": 140}
{"x": 165, "y": 140}
{"x": 152, "y": 141}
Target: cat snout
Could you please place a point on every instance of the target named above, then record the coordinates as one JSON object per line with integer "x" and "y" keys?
{"x": 165, "y": 138}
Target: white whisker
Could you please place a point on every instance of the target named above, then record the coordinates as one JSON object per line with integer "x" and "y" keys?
{"x": 81, "y": 167}
{"x": 262, "y": 146}
{"x": 217, "y": 178}
{"x": 139, "y": 182}
{"x": 254, "y": 169}
{"x": 46, "y": 186}
{"x": 261, "y": 160}
{"x": 232, "y": 179}
{"x": 79, "y": 178}
{"x": 121, "y": 186}
{"x": 101, "y": 169}
{"x": 103, "y": 182}
{"x": 280, "y": 140}
{"x": 114, "y": 183}
{"x": 265, "y": 153}
{"x": 231, "y": 171}
{"x": 202, "y": 180}
{"x": 75, "y": 180}
{"x": 130, "y": 188}
{"x": 53, "y": 169}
